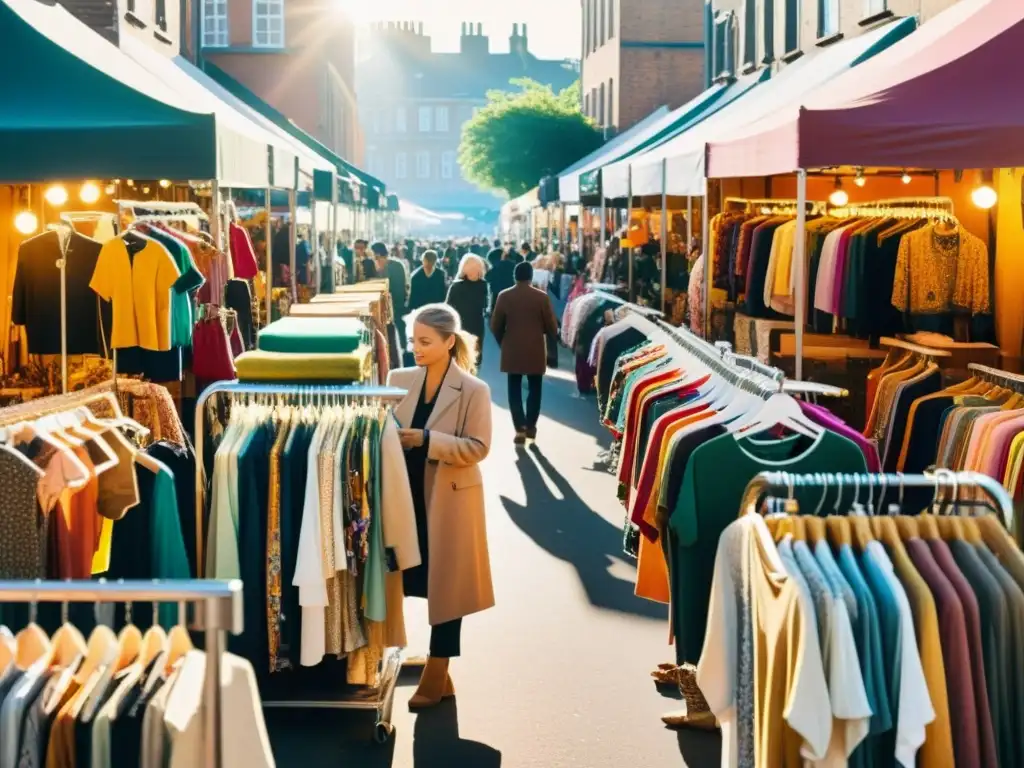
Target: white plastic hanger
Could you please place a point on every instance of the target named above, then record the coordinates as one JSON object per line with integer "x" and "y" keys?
{"x": 779, "y": 410}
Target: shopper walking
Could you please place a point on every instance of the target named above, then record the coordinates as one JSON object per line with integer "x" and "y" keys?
{"x": 446, "y": 433}
{"x": 468, "y": 296}
{"x": 523, "y": 322}
{"x": 398, "y": 287}
{"x": 427, "y": 284}
{"x": 502, "y": 273}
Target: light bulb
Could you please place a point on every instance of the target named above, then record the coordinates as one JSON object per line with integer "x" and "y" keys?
{"x": 89, "y": 193}
{"x": 145, "y": 190}
{"x": 110, "y": 189}
{"x": 56, "y": 195}
{"x": 860, "y": 181}
{"x": 165, "y": 183}
{"x": 839, "y": 198}
{"x": 131, "y": 182}
{"x": 26, "y": 222}
{"x": 984, "y": 196}
{"x": 905, "y": 178}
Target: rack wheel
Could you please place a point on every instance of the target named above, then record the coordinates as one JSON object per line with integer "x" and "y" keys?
{"x": 383, "y": 732}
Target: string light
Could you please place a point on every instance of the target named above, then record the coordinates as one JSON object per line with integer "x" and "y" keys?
{"x": 165, "y": 183}
{"x": 26, "y": 222}
{"x": 983, "y": 195}
{"x": 56, "y": 195}
{"x": 839, "y": 197}
{"x": 110, "y": 189}
{"x": 905, "y": 178}
{"x": 89, "y": 193}
{"x": 861, "y": 180}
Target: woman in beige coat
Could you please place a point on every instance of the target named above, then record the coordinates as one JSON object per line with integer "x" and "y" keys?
{"x": 445, "y": 430}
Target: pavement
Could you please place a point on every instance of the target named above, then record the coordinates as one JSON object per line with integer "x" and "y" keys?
{"x": 557, "y": 675}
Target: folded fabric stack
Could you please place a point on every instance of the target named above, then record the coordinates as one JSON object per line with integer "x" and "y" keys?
{"x": 309, "y": 349}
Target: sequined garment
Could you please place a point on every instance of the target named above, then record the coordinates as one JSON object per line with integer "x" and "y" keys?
{"x": 938, "y": 273}
{"x": 274, "y": 549}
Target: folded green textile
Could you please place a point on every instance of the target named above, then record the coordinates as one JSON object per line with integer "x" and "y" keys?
{"x": 260, "y": 365}
{"x": 315, "y": 335}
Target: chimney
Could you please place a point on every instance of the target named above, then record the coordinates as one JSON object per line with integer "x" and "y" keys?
{"x": 474, "y": 42}
{"x": 517, "y": 43}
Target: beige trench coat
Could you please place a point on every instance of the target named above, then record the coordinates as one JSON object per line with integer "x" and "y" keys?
{"x": 459, "y": 566}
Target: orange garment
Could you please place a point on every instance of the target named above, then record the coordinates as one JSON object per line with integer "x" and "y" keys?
{"x": 76, "y": 534}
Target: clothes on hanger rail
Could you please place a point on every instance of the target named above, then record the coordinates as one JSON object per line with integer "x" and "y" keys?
{"x": 900, "y": 624}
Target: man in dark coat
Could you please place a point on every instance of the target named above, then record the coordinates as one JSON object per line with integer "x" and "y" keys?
{"x": 501, "y": 275}
{"x": 522, "y": 322}
{"x": 427, "y": 284}
{"x": 393, "y": 270}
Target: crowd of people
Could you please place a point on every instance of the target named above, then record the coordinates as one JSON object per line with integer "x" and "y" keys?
{"x": 478, "y": 279}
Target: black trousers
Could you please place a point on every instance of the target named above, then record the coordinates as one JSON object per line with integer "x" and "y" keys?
{"x": 446, "y": 639}
{"x": 534, "y": 382}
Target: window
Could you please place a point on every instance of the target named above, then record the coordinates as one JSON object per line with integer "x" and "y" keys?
{"x": 600, "y": 23}
{"x": 600, "y": 106}
{"x": 441, "y": 119}
{"x": 611, "y": 100}
{"x": 828, "y": 18}
{"x": 586, "y": 105}
{"x": 792, "y": 26}
{"x": 725, "y": 42}
{"x": 611, "y": 19}
{"x": 400, "y": 119}
{"x": 769, "y": 30}
{"x": 447, "y": 165}
{"x": 593, "y": 25}
{"x": 215, "y": 23}
{"x": 422, "y": 165}
{"x": 426, "y": 114}
{"x": 268, "y": 24}
{"x": 749, "y": 33}
{"x": 872, "y": 7}
{"x": 400, "y": 169}
{"x": 586, "y": 27}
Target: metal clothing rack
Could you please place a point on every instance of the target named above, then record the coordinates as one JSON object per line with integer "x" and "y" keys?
{"x": 1014, "y": 381}
{"x": 221, "y": 603}
{"x": 783, "y": 484}
{"x": 640, "y": 310}
{"x": 57, "y": 403}
{"x": 789, "y": 386}
{"x": 380, "y": 699}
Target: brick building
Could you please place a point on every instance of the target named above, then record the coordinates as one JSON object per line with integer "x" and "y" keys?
{"x": 638, "y": 55}
{"x": 297, "y": 55}
{"x": 751, "y": 33}
{"x": 413, "y": 102}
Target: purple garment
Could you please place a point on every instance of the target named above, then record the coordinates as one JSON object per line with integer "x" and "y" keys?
{"x": 956, "y": 657}
{"x": 972, "y": 615}
{"x": 825, "y": 418}
{"x": 840, "y": 282}
{"x": 585, "y": 373}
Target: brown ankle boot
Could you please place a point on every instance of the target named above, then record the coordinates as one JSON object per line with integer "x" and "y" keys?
{"x": 434, "y": 684}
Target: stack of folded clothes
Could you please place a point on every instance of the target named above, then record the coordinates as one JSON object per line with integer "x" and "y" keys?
{"x": 305, "y": 349}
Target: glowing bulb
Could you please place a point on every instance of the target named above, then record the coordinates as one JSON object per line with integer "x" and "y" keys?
{"x": 905, "y": 178}
{"x": 860, "y": 181}
{"x": 984, "y": 196}
{"x": 110, "y": 189}
{"x": 26, "y": 222}
{"x": 56, "y": 195}
{"x": 89, "y": 193}
{"x": 165, "y": 183}
{"x": 766, "y": 210}
{"x": 839, "y": 198}
{"x": 145, "y": 190}
{"x": 131, "y": 182}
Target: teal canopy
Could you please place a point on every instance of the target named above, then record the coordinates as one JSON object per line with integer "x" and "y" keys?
{"x": 72, "y": 106}
{"x": 372, "y": 196}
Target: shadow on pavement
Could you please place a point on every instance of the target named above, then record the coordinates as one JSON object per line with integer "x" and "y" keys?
{"x": 324, "y": 738}
{"x": 569, "y": 530}
{"x": 436, "y": 742}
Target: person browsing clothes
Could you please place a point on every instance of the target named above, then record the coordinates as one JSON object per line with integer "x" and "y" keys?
{"x": 445, "y": 421}
{"x": 522, "y": 321}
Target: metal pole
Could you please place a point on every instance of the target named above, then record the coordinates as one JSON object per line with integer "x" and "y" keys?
{"x": 216, "y": 646}
{"x": 215, "y": 219}
{"x": 314, "y": 236}
{"x": 270, "y": 254}
{"x": 664, "y": 232}
{"x": 62, "y": 263}
{"x": 689, "y": 223}
{"x": 799, "y": 269}
{"x": 334, "y": 238}
{"x": 293, "y": 226}
{"x": 604, "y": 214}
{"x": 629, "y": 221}
{"x": 705, "y": 233}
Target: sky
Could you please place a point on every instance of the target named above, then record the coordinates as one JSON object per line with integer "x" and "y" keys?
{"x": 553, "y": 25}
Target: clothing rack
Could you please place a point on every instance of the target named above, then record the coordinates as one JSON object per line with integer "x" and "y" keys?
{"x": 789, "y": 386}
{"x": 918, "y": 349}
{"x": 768, "y": 205}
{"x": 1014, "y": 381}
{"x": 57, "y": 403}
{"x": 901, "y": 207}
{"x": 221, "y": 603}
{"x": 782, "y": 484}
{"x": 192, "y": 209}
{"x": 640, "y": 310}
{"x": 381, "y": 699}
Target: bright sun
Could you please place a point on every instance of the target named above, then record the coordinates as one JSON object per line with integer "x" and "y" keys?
{"x": 359, "y": 11}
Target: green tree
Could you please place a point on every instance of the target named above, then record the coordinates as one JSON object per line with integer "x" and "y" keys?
{"x": 523, "y": 135}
